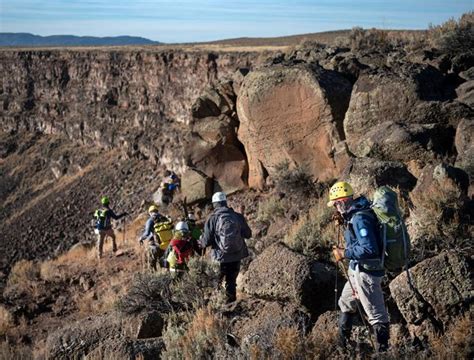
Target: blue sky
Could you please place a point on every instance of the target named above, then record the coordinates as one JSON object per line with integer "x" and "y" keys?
{"x": 200, "y": 20}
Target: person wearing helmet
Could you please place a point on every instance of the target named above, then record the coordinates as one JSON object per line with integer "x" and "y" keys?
{"x": 195, "y": 232}
{"x": 225, "y": 231}
{"x": 168, "y": 187}
{"x": 103, "y": 225}
{"x": 364, "y": 250}
{"x": 180, "y": 248}
{"x": 154, "y": 252}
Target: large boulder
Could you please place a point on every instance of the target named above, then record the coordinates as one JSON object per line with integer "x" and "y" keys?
{"x": 259, "y": 318}
{"x": 465, "y": 146}
{"x": 293, "y": 114}
{"x": 150, "y": 349}
{"x": 282, "y": 274}
{"x": 195, "y": 186}
{"x": 212, "y": 146}
{"x": 79, "y": 338}
{"x": 465, "y": 93}
{"x": 433, "y": 307}
{"x": 400, "y": 114}
{"x": 439, "y": 200}
{"x": 148, "y": 324}
{"x": 366, "y": 174}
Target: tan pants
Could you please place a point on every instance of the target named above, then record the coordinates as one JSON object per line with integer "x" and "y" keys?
{"x": 369, "y": 292}
{"x": 100, "y": 241}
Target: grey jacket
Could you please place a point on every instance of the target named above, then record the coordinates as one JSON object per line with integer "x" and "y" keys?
{"x": 210, "y": 238}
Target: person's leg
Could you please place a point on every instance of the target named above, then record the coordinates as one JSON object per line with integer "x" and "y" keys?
{"x": 100, "y": 243}
{"x": 153, "y": 257}
{"x": 111, "y": 233}
{"x": 231, "y": 273}
{"x": 369, "y": 289}
{"x": 347, "y": 304}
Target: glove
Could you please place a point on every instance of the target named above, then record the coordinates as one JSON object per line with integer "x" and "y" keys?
{"x": 338, "y": 253}
{"x": 336, "y": 217}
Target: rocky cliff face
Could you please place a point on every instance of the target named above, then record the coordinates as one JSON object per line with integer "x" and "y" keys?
{"x": 128, "y": 99}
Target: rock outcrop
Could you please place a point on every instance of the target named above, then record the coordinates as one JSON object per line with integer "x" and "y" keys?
{"x": 399, "y": 114}
{"x": 465, "y": 146}
{"x": 439, "y": 201}
{"x": 196, "y": 186}
{"x": 212, "y": 146}
{"x": 294, "y": 114}
{"x": 431, "y": 308}
{"x": 366, "y": 174}
{"x": 282, "y": 274}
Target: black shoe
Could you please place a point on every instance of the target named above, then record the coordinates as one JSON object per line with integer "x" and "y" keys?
{"x": 382, "y": 335}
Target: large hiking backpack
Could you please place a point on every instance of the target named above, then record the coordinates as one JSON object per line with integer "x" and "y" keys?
{"x": 229, "y": 233}
{"x": 395, "y": 240}
{"x": 100, "y": 216}
{"x": 164, "y": 230}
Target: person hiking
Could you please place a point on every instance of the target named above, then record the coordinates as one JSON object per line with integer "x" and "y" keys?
{"x": 364, "y": 250}
{"x": 195, "y": 232}
{"x": 225, "y": 231}
{"x": 154, "y": 228}
{"x": 180, "y": 248}
{"x": 168, "y": 187}
{"x": 103, "y": 225}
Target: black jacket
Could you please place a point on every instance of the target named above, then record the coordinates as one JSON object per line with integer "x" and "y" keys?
{"x": 210, "y": 238}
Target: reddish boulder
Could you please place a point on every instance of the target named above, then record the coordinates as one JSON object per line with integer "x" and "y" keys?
{"x": 293, "y": 114}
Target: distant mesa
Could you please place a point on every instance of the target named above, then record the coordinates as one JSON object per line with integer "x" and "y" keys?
{"x": 26, "y": 39}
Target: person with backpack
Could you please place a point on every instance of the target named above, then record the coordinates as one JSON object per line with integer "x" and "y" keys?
{"x": 364, "y": 248}
{"x": 225, "y": 231}
{"x": 103, "y": 225}
{"x": 168, "y": 187}
{"x": 195, "y": 232}
{"x": 158, "y": 234}
{"x": 180, "y": 249}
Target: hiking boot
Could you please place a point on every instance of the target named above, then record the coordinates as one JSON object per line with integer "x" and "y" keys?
{"x": 382, "y": 334}
{"x": 345, "y": 329}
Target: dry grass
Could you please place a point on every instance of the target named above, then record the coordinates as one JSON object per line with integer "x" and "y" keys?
{"x": 23, "y": 272}
{"x": 294, "y": 178}
{"x": 203, "y": 336}
{"x": 288, "y": 342}
{"x": 270, "y": 208}
{"x": 14, "y": 352}
{"x": 457, "y": 342}
{"x": 313, "y": 234}
{"x": 6, "y": 321}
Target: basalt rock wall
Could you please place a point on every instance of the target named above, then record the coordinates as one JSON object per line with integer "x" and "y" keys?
{"x": 135, "y": 100}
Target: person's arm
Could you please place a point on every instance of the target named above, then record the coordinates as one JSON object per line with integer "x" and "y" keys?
{"x": 207, "y": 237}
{"x": 148, "y": 233}
{"x": 114, "y": 216}
{"x": 366, "y": 246}
{"x": 245, "y": 230}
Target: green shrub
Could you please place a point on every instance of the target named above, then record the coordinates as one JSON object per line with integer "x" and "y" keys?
{"x": 294, "y": 179}
{"x": 270, "y": 208}
{"x": 454, "y": 37}
{"x": 313, "y": 235}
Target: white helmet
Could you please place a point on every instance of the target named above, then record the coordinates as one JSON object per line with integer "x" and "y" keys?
{"x": 219, "y": 197}
{"x": 182, "y": 226}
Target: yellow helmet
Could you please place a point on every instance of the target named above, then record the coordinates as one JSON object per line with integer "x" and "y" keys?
{"x": 338, "y": 191}
{"x": 153, "y": 208}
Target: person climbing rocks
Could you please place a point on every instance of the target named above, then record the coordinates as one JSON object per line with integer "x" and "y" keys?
{"x": 364, "y": 249}
{"x": 195, "y": 232}
{"x": 168, "y": 187}
{"x": 103, "y": 225}
{"x": 225, "y": 231}
{"x": 180, "y": 249}
{"x": 158, "y": 234}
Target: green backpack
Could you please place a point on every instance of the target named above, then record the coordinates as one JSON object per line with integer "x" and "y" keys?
{"x": 396, "y": 242}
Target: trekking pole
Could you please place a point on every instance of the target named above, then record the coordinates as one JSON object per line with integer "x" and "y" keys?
{"x": 359, "y": 309}
{"x": 124, "y": 231}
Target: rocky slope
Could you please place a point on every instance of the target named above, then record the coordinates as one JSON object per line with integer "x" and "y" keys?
{"x": 274, "y": 134}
